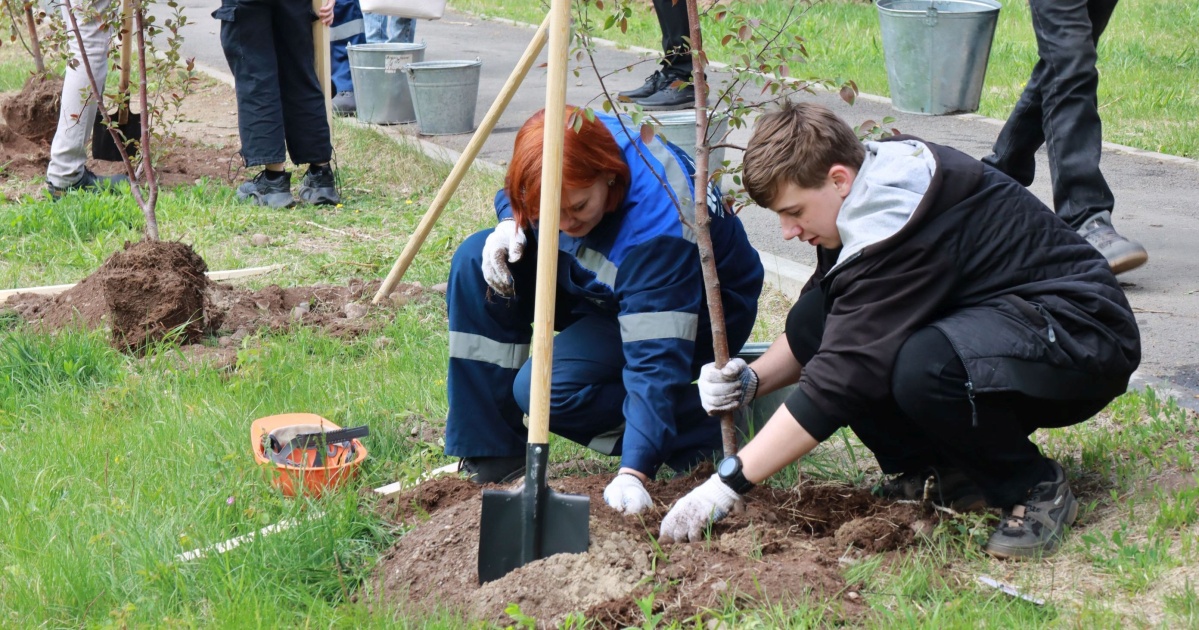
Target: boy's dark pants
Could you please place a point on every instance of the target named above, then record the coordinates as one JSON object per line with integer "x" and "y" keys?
{"x": 280, "y": 103}
{"x": 929, "y": 419}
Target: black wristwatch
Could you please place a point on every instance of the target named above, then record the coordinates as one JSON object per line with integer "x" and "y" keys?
{"x": 731, "y": 474}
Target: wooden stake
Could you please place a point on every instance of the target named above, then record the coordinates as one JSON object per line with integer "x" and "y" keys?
{"x": 324, "y": 67}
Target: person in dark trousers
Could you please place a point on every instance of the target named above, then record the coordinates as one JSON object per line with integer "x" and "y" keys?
{"x": 1059, "y": 108}
{"x": 669, "y": 87}
{"x": 280, "y": 104}
{"x": 630, "y": 310}
{"x": 951, "y": 315}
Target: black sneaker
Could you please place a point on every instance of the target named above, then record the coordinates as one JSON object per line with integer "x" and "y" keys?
{"x": 319, "y": 187}
{"x": 344, "y": 104}
{"x": 1121, "y": 253}
{"x": 90, "y": 182}
{"x": 1035, "y": 529}
{"x": 266, "y": 191}
{"x": 671, "y": 96}
{"x": 948, "y": 488}
{"x": 652, "y": 85}
{"x": 483, "y": 470}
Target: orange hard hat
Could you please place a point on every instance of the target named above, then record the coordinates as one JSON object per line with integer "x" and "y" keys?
{"x": 305, "y": 451}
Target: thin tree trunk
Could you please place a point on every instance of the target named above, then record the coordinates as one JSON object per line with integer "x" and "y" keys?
{"x": 35, "y": 44}
{"x": 143, "y": 89}
{"x": 703, "y": 235}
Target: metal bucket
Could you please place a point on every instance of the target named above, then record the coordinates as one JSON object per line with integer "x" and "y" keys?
{"x": 936, "y": 52}
{"x": 380, "y": 84}
{"x": 679, "y": 128}
{"x": 444, "y": 94}
{"x": 751, "y": 418}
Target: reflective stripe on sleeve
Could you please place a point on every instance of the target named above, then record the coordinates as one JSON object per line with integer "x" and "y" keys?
{"x": 679, "y": 181}
{"x": 667, "y": 325}
{"x": 595, "y": 262}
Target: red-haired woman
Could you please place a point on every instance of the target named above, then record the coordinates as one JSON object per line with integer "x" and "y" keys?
{"x": 631, "y": 313}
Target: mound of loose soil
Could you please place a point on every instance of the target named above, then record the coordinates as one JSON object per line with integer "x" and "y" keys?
{"x": 143, "y": 292}
{"x": 152, "y": 288}
{"x": 32, "y": 113}
{"x": 19, "y": 155}
{"x": 786, "y": 546}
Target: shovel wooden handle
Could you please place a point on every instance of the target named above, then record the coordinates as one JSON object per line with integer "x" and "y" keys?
{"x": 126, "y": 61}
{"x": 547, "y": 235}
{"x": 322, "y": 61}
{"x": 464, "y": 161}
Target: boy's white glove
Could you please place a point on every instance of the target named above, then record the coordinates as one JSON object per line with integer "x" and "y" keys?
{"x": 703, "y": 506}
{"x": 727, "y": 388}
{"x": 627, "y": 495}
{"x": 505, "y": 244}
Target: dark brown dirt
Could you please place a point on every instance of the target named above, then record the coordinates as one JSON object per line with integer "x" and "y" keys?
{"x": 32, "y": 113}
{"x": 19, "y": 156}
{"x": 785, "y": 547}
{"x": 152, "y": 289}
{"x": 149, "y": 289}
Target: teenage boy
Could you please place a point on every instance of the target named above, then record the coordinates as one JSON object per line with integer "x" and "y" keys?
{"x": 951, "y": 315}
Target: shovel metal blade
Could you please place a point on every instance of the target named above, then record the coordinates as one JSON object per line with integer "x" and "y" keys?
{"x": 529, "y": 523}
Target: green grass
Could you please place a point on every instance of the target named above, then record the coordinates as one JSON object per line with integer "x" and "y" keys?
{"x": 1148, "y": 58}
{"x": 111, "y": 466}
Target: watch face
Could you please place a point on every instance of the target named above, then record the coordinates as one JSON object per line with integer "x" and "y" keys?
{"x": 728, "y": 467}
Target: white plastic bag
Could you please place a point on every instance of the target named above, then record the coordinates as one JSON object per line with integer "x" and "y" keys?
{"x": 420, "y": 9}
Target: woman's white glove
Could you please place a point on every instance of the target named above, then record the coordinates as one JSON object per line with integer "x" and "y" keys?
{"x": 703, "y": 506}
{"x": 505, "y": 244}
{"x": 727, "y": 388}
{"x": 626, "y": 495}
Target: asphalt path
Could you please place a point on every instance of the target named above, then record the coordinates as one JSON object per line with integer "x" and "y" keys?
{"x": 1157, "y": 195}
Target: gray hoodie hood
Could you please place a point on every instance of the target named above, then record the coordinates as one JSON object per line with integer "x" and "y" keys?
{"x": 888, "y": 188}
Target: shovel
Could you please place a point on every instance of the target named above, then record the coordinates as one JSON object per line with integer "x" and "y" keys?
{"x": 129, "y": 125}
{"x": 520, "y": 526}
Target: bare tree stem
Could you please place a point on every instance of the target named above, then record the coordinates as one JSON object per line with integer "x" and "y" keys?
{"x": 703, "y": 234}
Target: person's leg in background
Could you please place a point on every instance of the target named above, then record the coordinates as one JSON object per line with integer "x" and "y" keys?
{"x": 249, "y": 42}
{"x": 676, "y": 66}
{"x": 1059, "y": 108}
{"x": 348, "y": 28}
{"x": 987, "y": 436}
{"x": 68, "y": 151}
{"x": 305, "y": 126}
{"x": 388, "y": 29}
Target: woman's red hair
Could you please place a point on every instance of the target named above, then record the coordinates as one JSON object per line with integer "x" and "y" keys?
{"x": 587, "y": 155}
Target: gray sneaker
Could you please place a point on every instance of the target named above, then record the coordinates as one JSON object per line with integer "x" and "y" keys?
{"x": 344, "y": 104}
{"x": 1035, "y": 529}
{"x": 89, "y": 182}
{"x": 263, "y": 191}
{"x": 319, "y": 187}
{"x": 1121, "y": 253}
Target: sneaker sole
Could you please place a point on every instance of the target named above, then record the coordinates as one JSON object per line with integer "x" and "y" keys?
{"x": 1128, "y": 262}
{"x": 665, "y": 108}
{"x": 273, "y": 200}
{"x": 1007, "y": 552}
{"x": 317, "y": 199}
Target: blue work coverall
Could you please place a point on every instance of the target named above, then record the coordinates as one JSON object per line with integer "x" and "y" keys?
{"x": 632, "y": 320}
{"x": 347, "y": 28}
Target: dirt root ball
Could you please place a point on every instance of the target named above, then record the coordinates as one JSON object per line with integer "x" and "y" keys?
{"x": 33, "y": 112}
